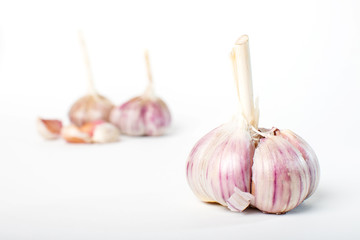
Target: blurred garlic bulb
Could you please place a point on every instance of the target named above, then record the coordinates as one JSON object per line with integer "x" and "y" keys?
{"x": 49, "y": 129}
{"x": 92, "y": 106}
{"x": 145, "y": 115}
{"x": 238, "y": 164}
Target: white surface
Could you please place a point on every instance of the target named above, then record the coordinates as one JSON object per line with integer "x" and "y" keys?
{"x": 305, "y": 58}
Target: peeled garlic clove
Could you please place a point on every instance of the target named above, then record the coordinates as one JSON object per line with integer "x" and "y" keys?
{"x": 90, "y": 108}
{"x": 72, "y": 134}
{"x": 280, "y": 175}
{"x": 220, "y": 162}
{"x": 308, "y": 155}
{"x": 142, "y": 116}
{"x": 105, "y": 133}
{"x": 49, "y": 129}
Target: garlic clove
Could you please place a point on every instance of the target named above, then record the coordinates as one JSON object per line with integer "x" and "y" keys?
{"x": 89, "y": 127}
{"x": 308, "y": 155}
{"x": 90, "y": 108}
{"x": 101, "y": 132}
{"x": 49, "y": 129}
{"x": 73, "y": 134}
{"x": 280, "y": 175}
{"x": 142, "y": 117}
{"x": 105, "y": 133}
{"x": 220, "y": 162}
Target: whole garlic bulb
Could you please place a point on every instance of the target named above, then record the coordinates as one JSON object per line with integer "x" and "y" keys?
{"x": 145, "y": 115}
{"x": 237, "y": 164}
{"x": 89, "y": 108}
{"x": 93, "y": 106}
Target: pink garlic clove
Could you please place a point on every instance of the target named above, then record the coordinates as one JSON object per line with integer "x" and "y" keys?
{"x": 49, "y": 129}
{"x": 308, "y": 155}
{"x": 101, "y": 132}
{"x": 220, "y": 162}
{"x": 89, "y": 127}
{"x": 73, "y": 134}
{"x": 90, "y": 108}
{"x": 105, "y": 133}
{"x": 280, "y": 175}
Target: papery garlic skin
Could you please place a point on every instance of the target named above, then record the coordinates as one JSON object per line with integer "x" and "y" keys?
{"x": 49, "y": 129}
{"x": 220, "y": 162}
{"x": 90, "y": 108}
{"x": 105, "y": 133}
{"x": 142, "y": 116}
{"x": 281, "y": 177}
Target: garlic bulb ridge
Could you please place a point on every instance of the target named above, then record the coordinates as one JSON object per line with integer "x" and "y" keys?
{"x": 238, "y": 164}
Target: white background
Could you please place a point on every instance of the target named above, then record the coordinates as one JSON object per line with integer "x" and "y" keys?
{"x": 306, "y": 71}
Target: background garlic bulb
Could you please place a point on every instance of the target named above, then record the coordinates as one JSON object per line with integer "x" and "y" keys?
{"x": 143, "y": 115}
{"x": 238, "y": 164}
{"x": 91, "y": 107}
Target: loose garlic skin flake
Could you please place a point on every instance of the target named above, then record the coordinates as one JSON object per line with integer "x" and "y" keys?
{"x": 239, "y": 164}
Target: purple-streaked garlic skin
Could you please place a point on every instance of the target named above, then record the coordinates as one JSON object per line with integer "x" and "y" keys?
{"x": 142, "y": 116}
{"x": 90, "y": 108}
{"x": 308, "y": 155}
{"x": 281, "y": 176}
{"x": 220, "y": 162}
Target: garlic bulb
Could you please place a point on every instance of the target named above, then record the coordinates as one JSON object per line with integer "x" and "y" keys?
{"x": 92, "y": 106}
{"x": 49, "y": 129}
{"x": 238, "y": 164}
{"x": 143, "y": 115}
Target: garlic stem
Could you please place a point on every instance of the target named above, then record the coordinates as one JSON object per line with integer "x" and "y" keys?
{"x": 148, "y": 68}
{"x": 91, "y": 87}
{"x": 149, "y": 91}
{"x": 240, "y": 56}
